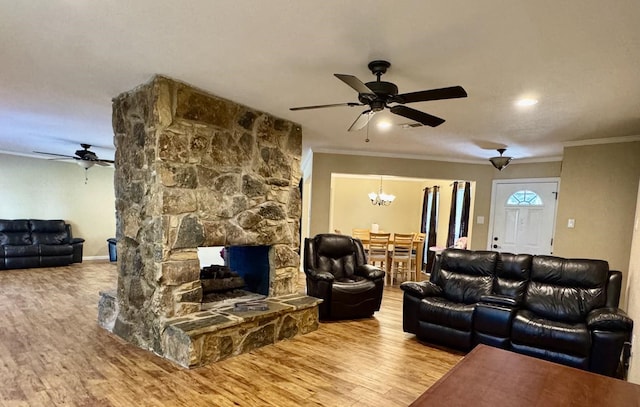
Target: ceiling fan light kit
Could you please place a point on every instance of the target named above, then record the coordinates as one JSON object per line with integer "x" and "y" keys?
{"x": 502, "y": 161}
{"x": 86, "y": 164}
{"x": 85, "y": 158}
{"x": 379, "y": 95}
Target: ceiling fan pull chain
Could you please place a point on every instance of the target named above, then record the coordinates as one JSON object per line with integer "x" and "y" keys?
{"x": 367, "y": 139}
{"x": 86, "y": 177}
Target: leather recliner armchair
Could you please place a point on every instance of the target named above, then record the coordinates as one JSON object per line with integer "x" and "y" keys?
{"x": 337, "y": 272}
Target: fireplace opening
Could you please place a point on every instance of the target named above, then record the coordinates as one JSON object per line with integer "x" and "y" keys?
{"x": 228, "y": 272}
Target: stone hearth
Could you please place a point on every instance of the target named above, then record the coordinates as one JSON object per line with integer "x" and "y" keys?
{"x": 195, "y": 170}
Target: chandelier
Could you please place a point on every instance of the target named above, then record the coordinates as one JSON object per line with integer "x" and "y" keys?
{"x": 381, "y": 199}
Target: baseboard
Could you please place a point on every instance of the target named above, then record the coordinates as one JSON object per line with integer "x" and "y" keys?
{"x": 92, "y": 258}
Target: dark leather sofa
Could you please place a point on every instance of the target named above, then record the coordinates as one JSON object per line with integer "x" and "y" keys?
{"x": 337, "y": 272}
{"x": 562, "y": 310}
{"x": 26, "y": 243}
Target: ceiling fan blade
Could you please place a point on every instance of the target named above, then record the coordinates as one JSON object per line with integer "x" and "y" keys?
{"x": 57, "y": 155}
{"x": 417, "y": 115}
{"x": 323, "y": 106}
{"x": 104, "y": 163}
{"x": 433, "y": 94}
{"x": 355, "y": 83}
{"x": 362, "y": 120}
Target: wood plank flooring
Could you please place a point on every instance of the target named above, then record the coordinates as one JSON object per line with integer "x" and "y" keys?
{"x": 52, "y": 353}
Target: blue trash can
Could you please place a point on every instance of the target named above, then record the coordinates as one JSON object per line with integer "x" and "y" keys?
{"x": 113, "y": 255}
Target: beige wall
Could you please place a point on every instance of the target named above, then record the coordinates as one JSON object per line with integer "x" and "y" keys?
{"x": 46, "y": 189}
{"x": 633, "y": 293}
{"x": 352, "y": 208}
{"x": 483, "y": 174}
{"x": 598, "y": 188}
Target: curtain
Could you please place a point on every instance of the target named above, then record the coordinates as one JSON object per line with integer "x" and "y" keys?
{"x": 466, "y": 204}
{"x": 424, "y": 227}
{"x": 451, "y": 237}
{"x": 425, "y": 207}
{"x": 433, "y": 228}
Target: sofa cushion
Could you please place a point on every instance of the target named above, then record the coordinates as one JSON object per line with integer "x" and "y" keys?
{"x": 49, "y": 232}
{"x": 465, "y": 276}
{"x": 534, "y": 331}
{"x": 440, "y": 311}
{"x": 512, "y": 275}
{"x": 14, "y": 225}
{"x": 337, "y": 255}
{"x": 566, "y": 289}
{"x": 21, "y": 251}
{"x": 14, "y": 232}
{"x": 15, "y": 238}
{"x": 55, "y": 249}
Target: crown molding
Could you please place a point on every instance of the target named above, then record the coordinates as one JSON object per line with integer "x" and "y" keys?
{"x": 395, "y": 155}
{"x": 433, "y": 158}
{"x": 594, "y": 141}
{"x": 20, "y": 154}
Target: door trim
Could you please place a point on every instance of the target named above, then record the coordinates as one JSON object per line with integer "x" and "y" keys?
{"x": 494, "y": 186}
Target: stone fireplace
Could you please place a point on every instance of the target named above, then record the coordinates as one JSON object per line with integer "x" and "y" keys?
{"x": 194, "y": 170}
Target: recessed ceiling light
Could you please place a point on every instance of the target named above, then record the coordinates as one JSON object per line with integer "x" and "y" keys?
{"x": 526, "y": 102}
{"x": 384, "y": 124}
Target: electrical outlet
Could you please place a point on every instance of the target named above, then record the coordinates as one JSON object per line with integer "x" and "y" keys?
{"x": 571, "y": 223}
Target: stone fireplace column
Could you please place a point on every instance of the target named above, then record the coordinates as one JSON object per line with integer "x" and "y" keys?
{"x": 195, "y": 170}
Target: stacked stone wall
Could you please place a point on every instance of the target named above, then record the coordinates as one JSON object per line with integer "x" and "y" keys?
{"x": 194, "y": 170}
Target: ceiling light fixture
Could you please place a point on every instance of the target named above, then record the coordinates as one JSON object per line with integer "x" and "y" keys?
{"x": 500, "y": 162}
{"x": 86, "y": 164}
{"x": 381, "y": 199}
{"x": 526, "y": 102}
{"x": 384, "y": 125}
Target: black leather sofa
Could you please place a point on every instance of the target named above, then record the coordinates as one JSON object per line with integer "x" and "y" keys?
{"x": 562, "y": 310}
{"x": 337, "y": 272}
{"x": 26, "y": 243}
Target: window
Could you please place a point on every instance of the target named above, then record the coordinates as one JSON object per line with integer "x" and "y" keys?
{"x": 524, "y": 198}
{"x": 459, "y": 204}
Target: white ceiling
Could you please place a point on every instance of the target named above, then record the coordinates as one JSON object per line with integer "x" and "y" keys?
{"x": 61, "y": 62}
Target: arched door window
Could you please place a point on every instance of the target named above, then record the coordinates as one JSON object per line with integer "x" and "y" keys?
{"x": 524, "y": 198}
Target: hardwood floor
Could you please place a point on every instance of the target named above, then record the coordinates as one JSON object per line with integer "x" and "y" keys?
{"x": 52, "y": 353}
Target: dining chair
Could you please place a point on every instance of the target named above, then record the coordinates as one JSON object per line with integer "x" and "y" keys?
{"x": 379, "y": 250}
{"x": 363, "y": 235}
{"x": 401, "y": 255}
{"x": 418, "y": 251}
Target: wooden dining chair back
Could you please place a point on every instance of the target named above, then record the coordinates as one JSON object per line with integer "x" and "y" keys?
{"x": 363, "y": 235}
{"x": 418, "y": 251}
{"x": 401, "y": 255}
{"x": 379, "y": 250}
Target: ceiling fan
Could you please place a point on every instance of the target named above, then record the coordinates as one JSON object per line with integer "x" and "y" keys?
{"x": 378, "y": 95}
{"x": 85, "y": 157}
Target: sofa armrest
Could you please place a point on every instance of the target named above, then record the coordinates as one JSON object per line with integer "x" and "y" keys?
{"x": 77, "y": 243}
{"x": 370, "y": 272}
{"x": 499, "y": 300}
{"x": 321, "y": 276}
{"x": 609, "y": 319}
{"x": 421, "y": 289}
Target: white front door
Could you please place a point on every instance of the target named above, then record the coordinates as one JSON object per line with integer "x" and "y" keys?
{"x": 523, "y": 216}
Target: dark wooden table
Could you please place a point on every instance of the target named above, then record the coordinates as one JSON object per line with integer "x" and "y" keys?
{"x": 494, "y": 377}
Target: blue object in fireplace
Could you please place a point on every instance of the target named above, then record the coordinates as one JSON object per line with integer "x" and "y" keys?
{"x": 252, "y": 264}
